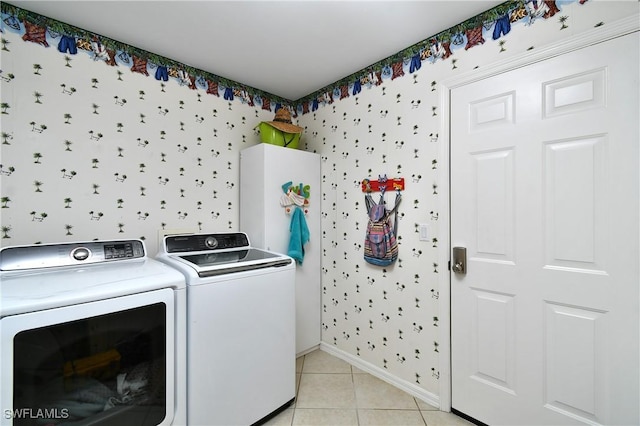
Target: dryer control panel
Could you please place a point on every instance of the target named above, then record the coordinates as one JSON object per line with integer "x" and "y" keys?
{"x": 38, "y": 256}
{"x": 205, "y": 242}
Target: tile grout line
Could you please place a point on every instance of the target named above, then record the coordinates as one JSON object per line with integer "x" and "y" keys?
{"x": 353, "y": 384}
{"x": 355, "y": 394}
{"x": 299, "y": 384}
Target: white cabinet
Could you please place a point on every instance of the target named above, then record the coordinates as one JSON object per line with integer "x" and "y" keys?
{"x": 264, "y": 169}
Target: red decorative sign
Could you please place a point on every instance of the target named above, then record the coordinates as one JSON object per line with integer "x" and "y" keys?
{"x": 396, "y": 184}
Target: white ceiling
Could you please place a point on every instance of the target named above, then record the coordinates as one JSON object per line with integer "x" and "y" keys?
{"x": 286, "y": 48}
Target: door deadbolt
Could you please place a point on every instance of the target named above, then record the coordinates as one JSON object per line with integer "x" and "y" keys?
{"x": 459, "y": 261}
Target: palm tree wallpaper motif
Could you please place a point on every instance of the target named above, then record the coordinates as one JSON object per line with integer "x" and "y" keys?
{"x": 107, "y": 151}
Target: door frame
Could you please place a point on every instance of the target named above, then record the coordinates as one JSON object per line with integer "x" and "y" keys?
{"x": 594, "y": 36}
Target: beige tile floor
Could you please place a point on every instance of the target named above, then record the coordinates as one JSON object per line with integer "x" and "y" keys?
{"x": 332, "y": 392}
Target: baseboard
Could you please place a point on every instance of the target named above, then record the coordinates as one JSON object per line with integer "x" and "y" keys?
{"x": 307, "y": 351}
{"x": 382, "y": 374}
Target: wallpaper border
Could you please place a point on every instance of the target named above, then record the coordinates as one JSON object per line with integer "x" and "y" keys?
{"x": 430, "y": 49}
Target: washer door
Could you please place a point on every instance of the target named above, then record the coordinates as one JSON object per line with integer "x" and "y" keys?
{"x": 105, "y": 362}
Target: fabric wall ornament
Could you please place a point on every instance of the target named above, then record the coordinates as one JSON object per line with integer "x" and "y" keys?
{"x": 380, "y": 242}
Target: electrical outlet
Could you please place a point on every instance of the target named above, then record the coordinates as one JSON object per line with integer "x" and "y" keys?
{"x": 424, "y": 236}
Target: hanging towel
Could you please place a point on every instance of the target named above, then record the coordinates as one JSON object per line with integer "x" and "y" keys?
{"x": 299, "y": 235}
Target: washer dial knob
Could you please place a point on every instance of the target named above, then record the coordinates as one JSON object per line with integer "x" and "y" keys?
{"x": 211, "y": 242}
{"x": 81, "y": 253}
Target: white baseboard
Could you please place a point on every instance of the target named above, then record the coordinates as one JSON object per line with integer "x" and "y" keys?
{"x": 309, "y": 350}
{"x": 382, "y": 374}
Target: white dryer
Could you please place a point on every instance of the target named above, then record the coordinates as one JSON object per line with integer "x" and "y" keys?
{"x": 240, "y": 327}
{"x": 92, "y": 333}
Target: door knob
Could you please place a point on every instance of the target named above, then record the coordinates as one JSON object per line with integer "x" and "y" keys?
{"x": 459, "y": 261}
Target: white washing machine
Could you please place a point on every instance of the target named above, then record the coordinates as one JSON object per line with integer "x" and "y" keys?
{"x": 240, "y": 327}
{"x": 93, "y": 333}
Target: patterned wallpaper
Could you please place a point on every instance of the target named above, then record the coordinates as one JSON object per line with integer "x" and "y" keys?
{"x": 389, "y": 317}
{"x": 91, "y": 150}
{"x": 99, "y": 149}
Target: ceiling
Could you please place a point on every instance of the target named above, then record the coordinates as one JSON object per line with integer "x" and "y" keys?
{"x": 287, "y": 48}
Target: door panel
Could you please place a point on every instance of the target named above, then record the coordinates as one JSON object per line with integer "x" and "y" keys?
{"x": 494, "y": 340}
{"x": 494, "y": 219}
{"x": 544, "y": 194}
{"x": 575, "y": 173}
{"x": 573, "y": 338}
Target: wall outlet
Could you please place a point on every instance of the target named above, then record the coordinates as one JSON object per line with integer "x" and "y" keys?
{"x": 424, "y": 235}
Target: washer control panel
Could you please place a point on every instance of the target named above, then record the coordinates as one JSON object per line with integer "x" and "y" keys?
{"x": 69, "y": 254}
{"x": 205, "y": 242}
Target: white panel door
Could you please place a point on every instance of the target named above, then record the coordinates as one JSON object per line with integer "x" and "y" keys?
{"x": 544, "y": 196}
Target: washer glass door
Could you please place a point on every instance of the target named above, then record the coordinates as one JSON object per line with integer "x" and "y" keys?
{"x": 107, "y": 362}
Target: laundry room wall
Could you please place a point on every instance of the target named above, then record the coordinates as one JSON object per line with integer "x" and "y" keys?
{"x": 96, "y": 147}
{"x": 97, "y": 151}
{"x": 388, "y": 317}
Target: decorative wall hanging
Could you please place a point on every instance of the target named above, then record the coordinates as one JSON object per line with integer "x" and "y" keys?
{"x": 295, "y": 196}
{"x": 380, "y": 242}
{"x": 383, "y": 184}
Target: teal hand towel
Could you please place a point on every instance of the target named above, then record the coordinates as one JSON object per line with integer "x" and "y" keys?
{"x": 299, "y": 235}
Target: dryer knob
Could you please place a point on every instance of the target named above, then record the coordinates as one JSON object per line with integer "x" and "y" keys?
{"x": 211, "y": 242}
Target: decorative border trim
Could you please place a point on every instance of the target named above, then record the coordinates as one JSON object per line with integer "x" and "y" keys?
{"x": 432, "y": 48}
{"x": 494, "y": 23}
{"x": 73, "y": 39}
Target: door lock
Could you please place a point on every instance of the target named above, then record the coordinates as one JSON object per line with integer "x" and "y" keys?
{"x": 459, "y": 262}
